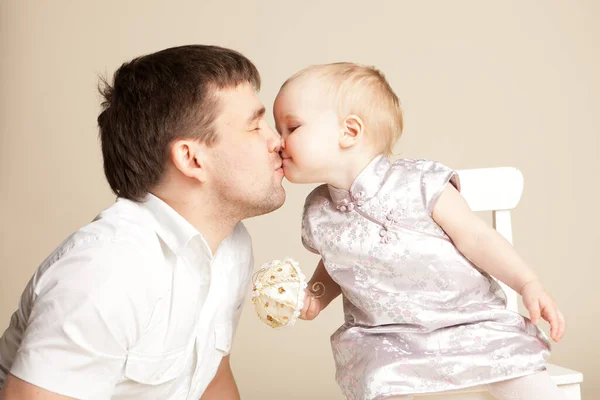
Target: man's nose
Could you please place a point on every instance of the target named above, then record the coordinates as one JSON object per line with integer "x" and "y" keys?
{"x": 275, "y": 141}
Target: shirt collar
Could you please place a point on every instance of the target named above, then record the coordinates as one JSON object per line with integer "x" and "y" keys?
{"x": 172, "y": 228}
{"x": 365, "y": 186}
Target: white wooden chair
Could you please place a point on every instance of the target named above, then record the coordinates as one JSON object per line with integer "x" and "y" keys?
{"x": 499, "y": 190}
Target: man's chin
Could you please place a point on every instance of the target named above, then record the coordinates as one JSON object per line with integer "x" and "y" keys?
{"x": 281, "y": 201}
{"x": 274, "y": 201}
{"x": 279, "y": 196}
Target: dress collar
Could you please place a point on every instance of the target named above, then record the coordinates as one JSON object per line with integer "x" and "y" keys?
{"x": 365, "y": 186}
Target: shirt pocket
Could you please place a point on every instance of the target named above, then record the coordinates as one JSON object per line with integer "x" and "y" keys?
{"x": 156, "y": 369}
{"x": 223, "y": 337}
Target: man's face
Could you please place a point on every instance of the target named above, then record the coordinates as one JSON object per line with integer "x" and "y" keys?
{"x": 245, "y": 166}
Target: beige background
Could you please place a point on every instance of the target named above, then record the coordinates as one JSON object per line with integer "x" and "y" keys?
{"x": 484, "y": 83}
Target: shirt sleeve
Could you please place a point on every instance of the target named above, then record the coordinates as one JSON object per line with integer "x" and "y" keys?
{"x": 434, "y": 178}
{"x": 85, "y": 316}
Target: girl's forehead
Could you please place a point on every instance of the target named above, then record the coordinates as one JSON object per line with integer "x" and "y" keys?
{"x": 302, "y": 96}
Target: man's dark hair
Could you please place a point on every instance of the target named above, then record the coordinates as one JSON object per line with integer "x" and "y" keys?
{"x": 158, "y": 98}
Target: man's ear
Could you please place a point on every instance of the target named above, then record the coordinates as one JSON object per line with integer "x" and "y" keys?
{"x": 352, "y": 131}
{"x": 188, "y": 156}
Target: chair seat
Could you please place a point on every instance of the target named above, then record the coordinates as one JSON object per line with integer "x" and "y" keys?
{"x": 564, "y": 376}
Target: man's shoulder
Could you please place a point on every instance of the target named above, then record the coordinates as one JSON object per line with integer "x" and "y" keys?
{"x": 118, "y": 242}
{"x": 124, "y": 226}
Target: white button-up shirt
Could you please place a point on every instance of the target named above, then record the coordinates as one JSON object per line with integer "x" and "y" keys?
{"x": 133, "y": 305}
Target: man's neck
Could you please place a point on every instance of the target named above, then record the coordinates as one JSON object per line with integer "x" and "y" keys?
{"x": 204, "y": 213}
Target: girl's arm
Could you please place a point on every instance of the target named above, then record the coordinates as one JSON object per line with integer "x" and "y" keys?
{"x": 487, "y": 249}
{"x": 321, "y": 291}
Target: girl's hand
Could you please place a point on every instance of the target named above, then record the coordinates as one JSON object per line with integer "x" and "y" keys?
{"x": 540, "y": 304}
{"x": 312, "y": 306}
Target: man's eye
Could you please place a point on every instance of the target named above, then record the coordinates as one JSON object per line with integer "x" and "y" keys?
{"x": 292, "y": 129}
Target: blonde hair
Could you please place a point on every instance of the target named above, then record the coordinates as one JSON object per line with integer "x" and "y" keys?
{"x": 363, "y": 91}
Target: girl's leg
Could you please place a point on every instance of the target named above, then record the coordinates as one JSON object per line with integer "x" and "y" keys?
{"x": 538, "y": 386}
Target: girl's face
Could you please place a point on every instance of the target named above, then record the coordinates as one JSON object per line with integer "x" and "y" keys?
{"x": 309, "y": 125}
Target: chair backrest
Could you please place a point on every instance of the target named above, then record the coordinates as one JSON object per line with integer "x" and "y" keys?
{"x": 497, "y": 190}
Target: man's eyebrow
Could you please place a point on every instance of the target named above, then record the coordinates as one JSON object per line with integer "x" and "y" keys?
{"x": 257, "y": 114}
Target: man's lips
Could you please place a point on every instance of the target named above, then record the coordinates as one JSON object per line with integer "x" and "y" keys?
{"x": 279, "y": 168}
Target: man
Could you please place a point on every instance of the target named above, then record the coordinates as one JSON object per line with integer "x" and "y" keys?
{"x": 143, "y": 302}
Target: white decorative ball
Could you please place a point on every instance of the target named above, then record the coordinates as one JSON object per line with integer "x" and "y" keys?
{"x": 278, "y": 293}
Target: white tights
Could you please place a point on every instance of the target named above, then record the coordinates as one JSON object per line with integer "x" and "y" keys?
{"x": 537, "y": 386}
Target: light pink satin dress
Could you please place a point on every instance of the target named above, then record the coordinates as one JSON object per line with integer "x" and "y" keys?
{"x": 419, "y": 316}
